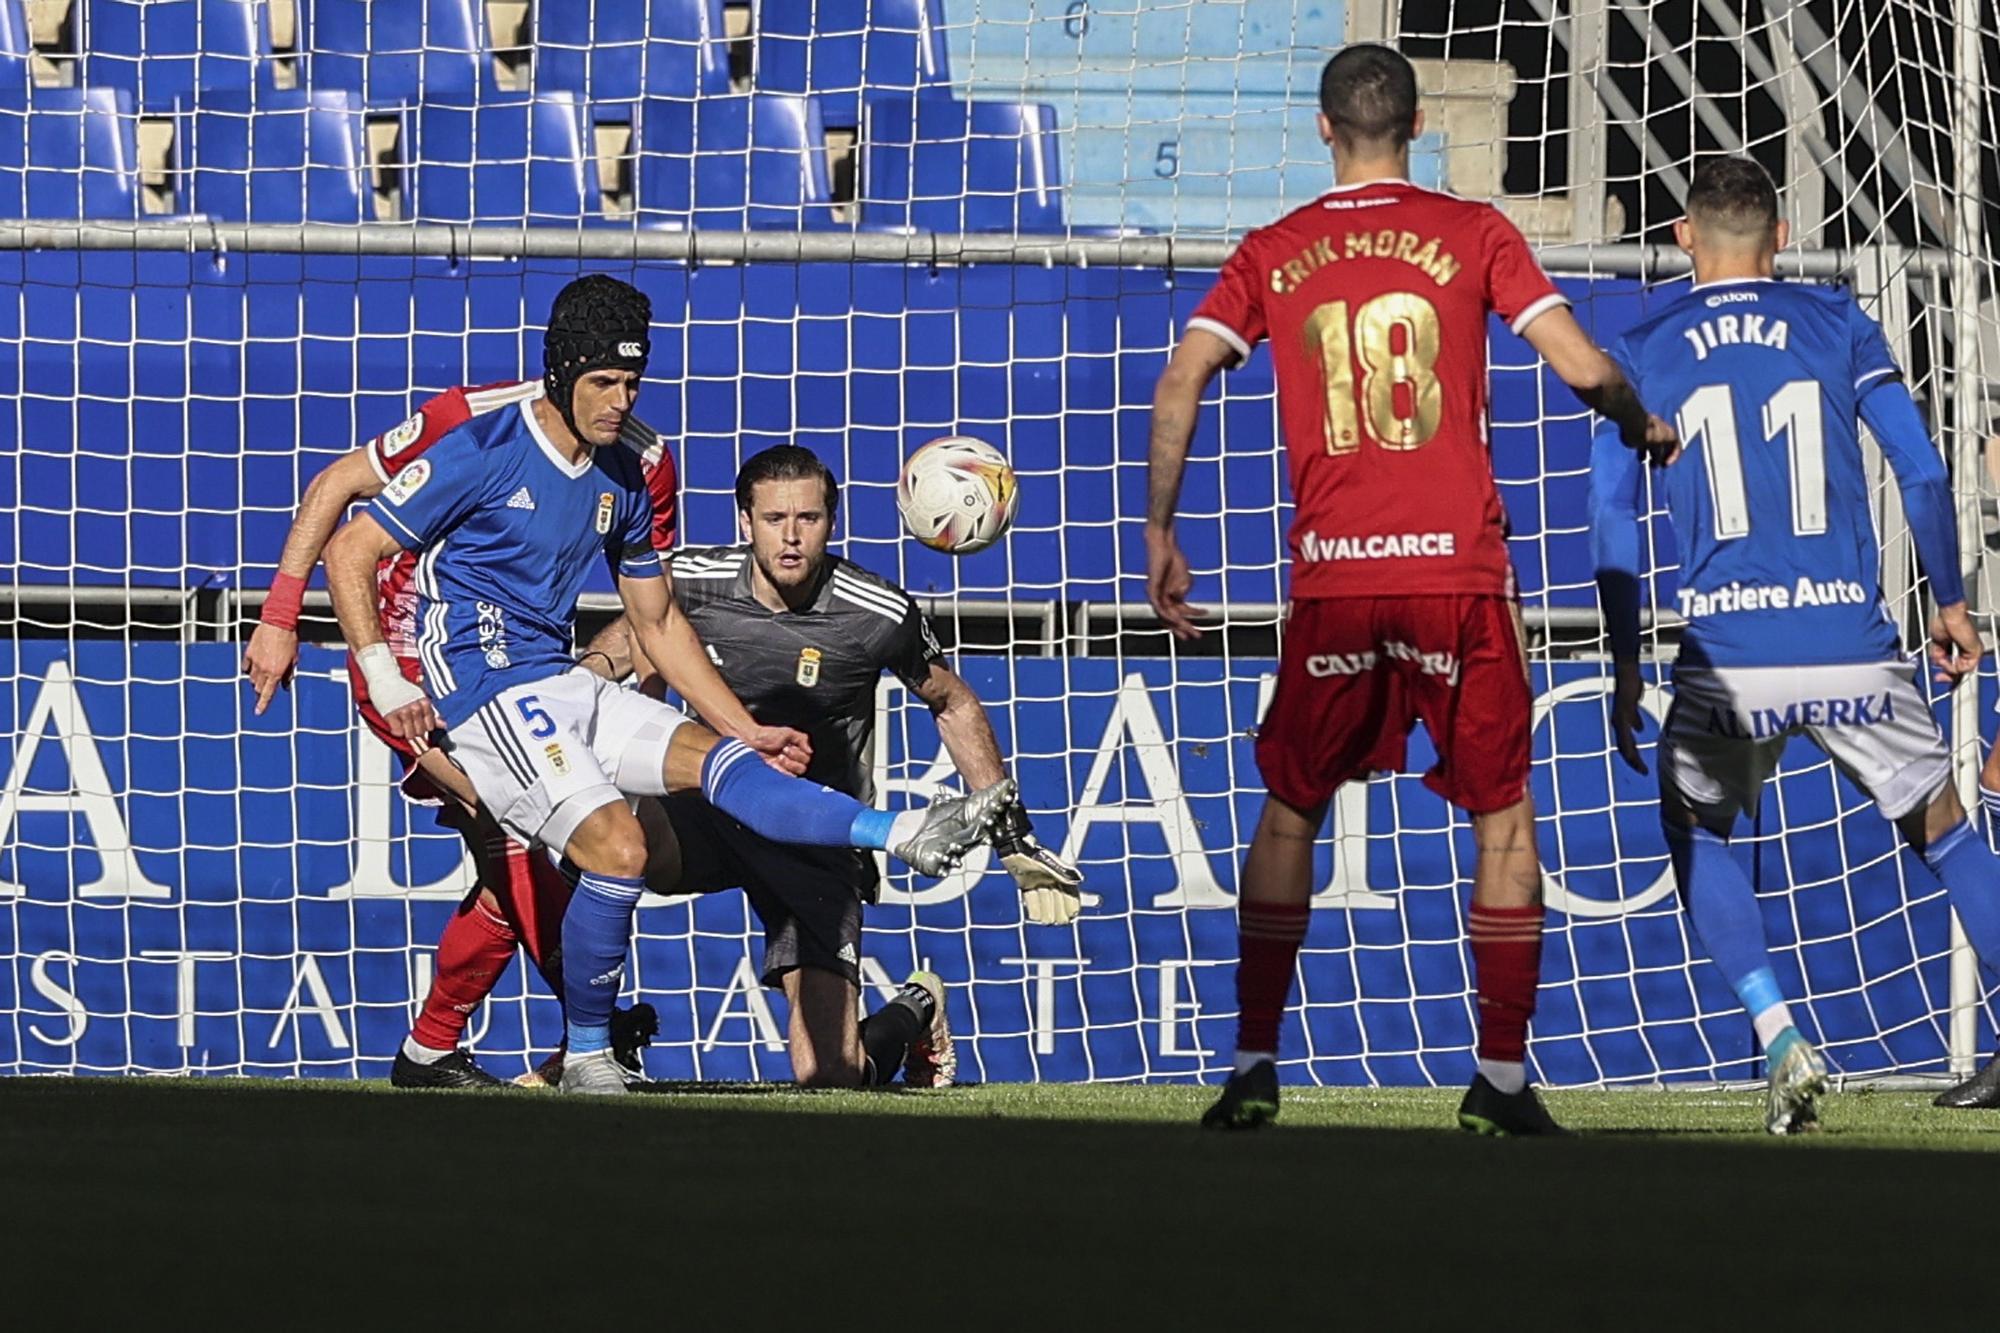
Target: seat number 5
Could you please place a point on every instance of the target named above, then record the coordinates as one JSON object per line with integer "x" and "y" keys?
{"x": 540, "y": 725}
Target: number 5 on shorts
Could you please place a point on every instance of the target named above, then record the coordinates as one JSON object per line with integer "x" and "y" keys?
{"x": 539, "y": 725}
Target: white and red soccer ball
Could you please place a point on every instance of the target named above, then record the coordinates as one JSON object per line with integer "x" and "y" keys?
{"x": 958, "y": 495}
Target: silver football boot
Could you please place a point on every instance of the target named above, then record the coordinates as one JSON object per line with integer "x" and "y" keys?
{"x": 953, "y": 826}
{"x": 595, "y": 1074}
{"x": 1798, "y": 1081}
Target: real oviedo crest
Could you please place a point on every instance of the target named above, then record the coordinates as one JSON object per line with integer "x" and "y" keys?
{"x": 607, "y": 506}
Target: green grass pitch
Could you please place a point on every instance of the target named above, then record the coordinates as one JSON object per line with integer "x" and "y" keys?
{"x": 1025, "y": 1207}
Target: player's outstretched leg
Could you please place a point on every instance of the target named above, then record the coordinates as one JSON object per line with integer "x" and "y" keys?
{"x": 1271, "y": 918}
{"x": 1505, "y": 929}
{"x": 1723, "y": 909}
{"x": 930, "y": 839}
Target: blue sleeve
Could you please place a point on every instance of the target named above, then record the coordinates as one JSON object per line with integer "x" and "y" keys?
{"x": 1872, "y": 360}
{"x": 432, "y": 494}
{"x": 1892, "y": 414}
{"x": 634, "y": 538}
{"x": 1616, "y": 473}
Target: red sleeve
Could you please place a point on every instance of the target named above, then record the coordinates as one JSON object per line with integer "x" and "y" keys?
{"x": 1516, "y": 288}
{"x": 394, "y": 449}
{"x": 1233, "y": 310}
{"x": 663, "y": 483}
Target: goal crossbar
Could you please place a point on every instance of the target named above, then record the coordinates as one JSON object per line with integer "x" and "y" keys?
{"x": 437, "y": 241}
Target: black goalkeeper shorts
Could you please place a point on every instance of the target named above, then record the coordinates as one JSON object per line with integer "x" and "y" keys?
{"x": 809, "y": 898}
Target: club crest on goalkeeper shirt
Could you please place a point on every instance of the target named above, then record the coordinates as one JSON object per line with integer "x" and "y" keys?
{"x": 816, "y": 668}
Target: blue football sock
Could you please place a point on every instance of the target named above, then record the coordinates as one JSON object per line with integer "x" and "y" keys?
{"x": 738, "y": 782}
{"x": 595, "y": 932}
{"x": 1970, "y": 873}
{"x": 1726, "y": 919}
{"x": 1990, "y": 799}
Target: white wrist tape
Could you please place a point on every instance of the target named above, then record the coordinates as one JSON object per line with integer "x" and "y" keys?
{"x": 388, "y": 688}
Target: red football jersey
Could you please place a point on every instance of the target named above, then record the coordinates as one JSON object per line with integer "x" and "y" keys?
{"x": 1375, "y": 299}
{"x": 395, "y": 449}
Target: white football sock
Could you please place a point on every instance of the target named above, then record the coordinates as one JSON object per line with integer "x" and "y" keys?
{"x": 1771, "y": 1024}
{"x": 422, "y": 1055}
{"x": 1249, "y": 1060}
{"x": 1508, "y": 1076}
{"x": 905, "y": 825}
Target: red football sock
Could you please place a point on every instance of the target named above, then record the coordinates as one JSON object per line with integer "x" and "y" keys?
{"x": 473, "y": 952}
{"x": 1507, "y": 958}
{"x": 534, "y": 899}
{"x": 1269, "y": 935}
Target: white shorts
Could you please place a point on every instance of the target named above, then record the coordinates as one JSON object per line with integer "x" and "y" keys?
{"x": 1728, "y": 727}
{"x": 543, "y": 757}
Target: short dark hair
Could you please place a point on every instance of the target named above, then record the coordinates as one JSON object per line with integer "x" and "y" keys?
{"x": 1369, "y": 92}
{"x": 1734, "y": 194}
{"x": 785, "y": 462}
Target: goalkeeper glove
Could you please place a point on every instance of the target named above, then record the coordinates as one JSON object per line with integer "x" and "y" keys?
{"x": 1050, "y": 886}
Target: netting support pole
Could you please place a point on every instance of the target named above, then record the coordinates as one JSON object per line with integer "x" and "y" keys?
{"x": 1968, "y": 407}
{"x": 1374, "y": 20}
{"x": 1587, "y": 163}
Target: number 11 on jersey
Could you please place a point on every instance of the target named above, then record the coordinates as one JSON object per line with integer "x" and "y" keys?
{"x": 1794, "y": 412}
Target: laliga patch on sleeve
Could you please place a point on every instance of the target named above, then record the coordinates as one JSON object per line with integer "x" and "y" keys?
{"x": 399, "y": 438}
{"x": 407, "y": 482}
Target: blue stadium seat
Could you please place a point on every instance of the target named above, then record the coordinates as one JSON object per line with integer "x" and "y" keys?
{"x": 210, "y": 45}
{"x": 934, "y": 163}
{"x": 838, "y": 49}
{"x": 81, "y": 156}
{"x": 397, "y": 52}
{"x": 617, "y": 51}
{"x": 278, "y": 157}
{"x": 526, "y": 158}
{"x": 16, "y": 51}
{"x": 1175, "y": 117}
{"x": 727, "y": 162}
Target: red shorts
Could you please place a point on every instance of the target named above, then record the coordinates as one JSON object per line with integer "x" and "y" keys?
{"x": 1358, "y": 672}
{"x": 417, "y": 784}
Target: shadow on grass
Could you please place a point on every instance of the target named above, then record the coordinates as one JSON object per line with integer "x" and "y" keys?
{"x": 323, "y": 1203}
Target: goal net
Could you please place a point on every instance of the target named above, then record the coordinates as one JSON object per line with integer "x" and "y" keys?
{"x": 864, "y": 224}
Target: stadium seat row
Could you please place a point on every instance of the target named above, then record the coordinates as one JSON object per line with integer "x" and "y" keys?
{"x": 726, "y": 160}
{"x": 395, "y": 52}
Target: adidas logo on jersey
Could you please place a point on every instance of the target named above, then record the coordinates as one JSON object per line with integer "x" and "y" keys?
{"x": 521, "y": 499}
{"x": 846, "y": 954}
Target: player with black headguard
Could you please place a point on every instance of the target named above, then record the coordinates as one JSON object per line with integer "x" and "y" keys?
{"x": 509, "y": 511}
{"x": 803, "y": 637}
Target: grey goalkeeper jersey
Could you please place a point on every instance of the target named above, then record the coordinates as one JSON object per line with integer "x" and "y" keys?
{"x": 814, "y": 669}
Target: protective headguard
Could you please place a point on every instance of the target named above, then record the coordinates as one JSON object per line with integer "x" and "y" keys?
{"x": 596, "y": 323}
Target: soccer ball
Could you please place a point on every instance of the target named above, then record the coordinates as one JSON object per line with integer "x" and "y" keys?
{"x": 958, "y": 495}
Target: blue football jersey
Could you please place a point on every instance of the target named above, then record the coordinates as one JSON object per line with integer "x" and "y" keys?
{"x": 1769, "y": 501}
{"x": 508, "y": 530}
